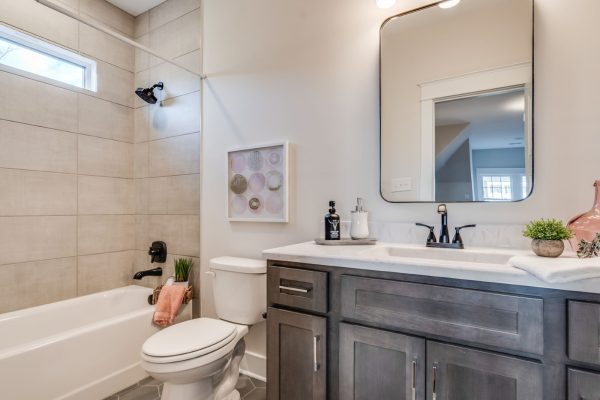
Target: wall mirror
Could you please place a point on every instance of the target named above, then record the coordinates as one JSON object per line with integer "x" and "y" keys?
{"x": 456, "y": 102}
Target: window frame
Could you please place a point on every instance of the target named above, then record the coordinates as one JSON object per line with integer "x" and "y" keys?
{"x": 513, "y": 173}
{"x": 52, "y": 50}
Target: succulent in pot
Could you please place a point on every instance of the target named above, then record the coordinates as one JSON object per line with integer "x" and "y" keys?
{"x": 548, "y": 236}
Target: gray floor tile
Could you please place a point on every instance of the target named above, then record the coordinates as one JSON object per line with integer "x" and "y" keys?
{"x": 257, "y": 394}
{"x": 258, "y": 383}
{"x": 244, "y": 386}
{"x": 141, "y": 393}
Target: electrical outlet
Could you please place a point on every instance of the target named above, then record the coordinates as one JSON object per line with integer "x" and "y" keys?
{"x": 401, "y": 185}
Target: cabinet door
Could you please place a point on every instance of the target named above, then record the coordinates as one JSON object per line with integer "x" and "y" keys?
{"x": 296, "y": 356}
{"x": 583, "y": 385}
{"x": 458, "y": 373}
{"x": 376, "y": 364}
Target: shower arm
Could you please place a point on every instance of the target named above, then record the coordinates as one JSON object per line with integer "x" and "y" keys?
{"x": 101, "y": 27}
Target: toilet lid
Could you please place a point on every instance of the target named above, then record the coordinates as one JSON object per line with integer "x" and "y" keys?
{"x": 188, "y": 337}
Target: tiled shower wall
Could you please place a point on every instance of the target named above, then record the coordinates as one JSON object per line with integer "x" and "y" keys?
{"x": 67, "y": 203}
{"x": 167, "y": 138}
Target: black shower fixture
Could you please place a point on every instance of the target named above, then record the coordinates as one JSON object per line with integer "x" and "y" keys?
{"x": 148, "y": 94}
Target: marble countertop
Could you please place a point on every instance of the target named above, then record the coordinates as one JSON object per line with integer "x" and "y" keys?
{"x": 377, "y": 258}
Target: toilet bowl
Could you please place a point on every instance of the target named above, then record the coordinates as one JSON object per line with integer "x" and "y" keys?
{"x": 199, "y": 359}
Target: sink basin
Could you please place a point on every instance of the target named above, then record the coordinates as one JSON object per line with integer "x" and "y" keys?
{"x": 498, "y": 257}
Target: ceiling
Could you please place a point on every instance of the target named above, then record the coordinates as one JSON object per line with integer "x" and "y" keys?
{"x": 136, "y": 7}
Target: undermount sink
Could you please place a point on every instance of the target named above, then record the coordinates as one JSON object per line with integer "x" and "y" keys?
{"x": 498, "y": 257}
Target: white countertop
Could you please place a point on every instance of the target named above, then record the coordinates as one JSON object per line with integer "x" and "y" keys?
{"x": 375, "y": 258}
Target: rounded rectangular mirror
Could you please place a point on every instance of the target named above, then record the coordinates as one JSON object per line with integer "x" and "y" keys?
{"x": 457, "y": 102}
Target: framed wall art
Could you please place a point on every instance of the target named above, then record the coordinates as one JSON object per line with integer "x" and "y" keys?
{"x": 258, "y": 183}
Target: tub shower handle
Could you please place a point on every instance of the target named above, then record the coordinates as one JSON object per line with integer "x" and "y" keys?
{"x": 294, "y": 289}
{"x": 316, "y": 365}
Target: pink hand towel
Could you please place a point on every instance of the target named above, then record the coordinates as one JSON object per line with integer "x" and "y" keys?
{"x": 167, "y": 306}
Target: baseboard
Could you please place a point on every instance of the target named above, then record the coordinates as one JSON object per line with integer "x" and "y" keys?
{"x": 255, "y": 366}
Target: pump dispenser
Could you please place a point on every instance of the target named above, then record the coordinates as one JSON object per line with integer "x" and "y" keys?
{"x": 332, "y": 223}
{"x": 359, "y": 228}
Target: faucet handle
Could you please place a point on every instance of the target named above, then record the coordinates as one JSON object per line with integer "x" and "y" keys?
{"x": 431, "y": 238}
{"x": 457, "y": 237}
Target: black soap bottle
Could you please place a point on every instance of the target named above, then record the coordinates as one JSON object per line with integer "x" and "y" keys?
{"x": 332, "y": 223}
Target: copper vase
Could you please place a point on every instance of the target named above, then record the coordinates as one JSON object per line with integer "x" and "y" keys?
{"x": 587, "y": 225}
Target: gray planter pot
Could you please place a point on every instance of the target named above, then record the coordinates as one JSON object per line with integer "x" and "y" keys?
{"x": 548, "y": 248}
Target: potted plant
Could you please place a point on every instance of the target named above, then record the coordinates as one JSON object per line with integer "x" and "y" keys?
{"x": 548, "y": 236}
{"x": 183, "y": 267}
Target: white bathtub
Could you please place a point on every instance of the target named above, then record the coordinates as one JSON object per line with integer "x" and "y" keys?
{"x": 83, "y": 348}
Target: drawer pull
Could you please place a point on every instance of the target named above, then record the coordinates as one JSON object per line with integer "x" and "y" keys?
{"x": 414, "y": 380}
{"x": 434, "y": 394}
{"x": 294, "y": 289}
{"x": 315, "y": 358}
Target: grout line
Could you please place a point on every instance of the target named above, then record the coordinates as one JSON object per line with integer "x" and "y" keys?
{"x": 166, "y": 23}
{"x": 34, "y": 261}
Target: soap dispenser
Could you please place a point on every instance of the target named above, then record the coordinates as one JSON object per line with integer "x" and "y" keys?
{"x": 359, "y": 228}
{"x": 332, "y": 224}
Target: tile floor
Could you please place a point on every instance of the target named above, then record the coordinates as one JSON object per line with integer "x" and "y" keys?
{"x": 150, "y": 389}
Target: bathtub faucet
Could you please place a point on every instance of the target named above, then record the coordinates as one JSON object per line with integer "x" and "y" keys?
{"x": 149, "y": 272}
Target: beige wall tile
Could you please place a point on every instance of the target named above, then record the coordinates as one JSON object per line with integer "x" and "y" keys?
{"x": 106, "y": 48}
{"x": 33, "y": 102}
{"x": 180, "y": 232}
{"x": 99, "y": 195}
{"x": 177, "y": 81}
{"x": 40, "y": 20}
{"x": 29, "y": 147}
{"x": 142, "y": 239}
{"x": 115, "y": 84}
{"x": 174, "y": 156}
{"x": 142, "y": 58}
{"x": 36, "y": 283}
{"x": 174, "y": 195}
{"x": 142, "y": 24}
{"x": 37, "y": 193}
{"x": 141, "y": 196}
{"x": 171, "y": 10}
{"x": 178, "y": 116}
{"x": 105, "y": 157}
{"x": 141, "y": 124}
{"x": 100, "y": 272}
{"x": 105, "y": 119}
{"x": 140, "y": 160}
{"x": 105, "y": 233}
{"x": 109, "y": 14}
{"x": 36, "y": 238}
{"x": 179, "y": 36}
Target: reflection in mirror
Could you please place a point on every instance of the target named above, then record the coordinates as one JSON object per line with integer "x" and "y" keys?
{"x": 480, "y": 148}
{"x": 456, "y": 103}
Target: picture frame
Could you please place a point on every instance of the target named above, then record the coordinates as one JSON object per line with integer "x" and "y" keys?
{"x": 258, "y": 183}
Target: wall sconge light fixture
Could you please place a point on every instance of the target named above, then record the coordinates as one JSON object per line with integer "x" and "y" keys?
{"x": 449, "y": 3}
{"x": 385, "y": 3}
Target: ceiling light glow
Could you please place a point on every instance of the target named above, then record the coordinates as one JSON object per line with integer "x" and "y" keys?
{"x": 449, "y": 3}
{"x": 385, "y": 3}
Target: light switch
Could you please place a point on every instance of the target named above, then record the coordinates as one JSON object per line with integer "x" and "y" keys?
{"x": 401, "y": 185}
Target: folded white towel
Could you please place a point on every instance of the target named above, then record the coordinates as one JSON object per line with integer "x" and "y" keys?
{"x": 566, "y": 268}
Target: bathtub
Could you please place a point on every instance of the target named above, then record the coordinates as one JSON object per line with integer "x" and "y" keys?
{"x": 83, "y": 348}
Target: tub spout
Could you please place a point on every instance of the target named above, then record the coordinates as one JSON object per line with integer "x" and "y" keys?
{"x": 150, "y": 272}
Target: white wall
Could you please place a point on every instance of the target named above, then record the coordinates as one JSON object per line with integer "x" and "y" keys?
{"x": 307, "y": 71}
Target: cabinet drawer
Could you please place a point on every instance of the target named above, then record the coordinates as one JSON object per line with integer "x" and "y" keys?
{"x": 506, "y": 321}
{"x": 583, "y": 385}
{"x": 299, "y": 288}
{"x": 584, "y": 325}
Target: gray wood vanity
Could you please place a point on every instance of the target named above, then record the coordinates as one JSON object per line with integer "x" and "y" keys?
{"x": 345, "y": 333}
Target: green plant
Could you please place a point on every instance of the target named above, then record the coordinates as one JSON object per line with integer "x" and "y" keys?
{"x": 589, "y": 249}
{"x": 547, "y": 229}
{"x": 183, "y": 266}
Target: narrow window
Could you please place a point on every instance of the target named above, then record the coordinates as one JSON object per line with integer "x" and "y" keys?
{"x": 22, "y": 52}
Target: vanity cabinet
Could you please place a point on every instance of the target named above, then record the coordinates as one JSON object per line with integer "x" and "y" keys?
{"x": 339, "y": 333}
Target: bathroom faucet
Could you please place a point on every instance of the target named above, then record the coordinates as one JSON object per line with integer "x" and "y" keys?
{"x": 149, "y": 272}
{"x": 444, "y": 241}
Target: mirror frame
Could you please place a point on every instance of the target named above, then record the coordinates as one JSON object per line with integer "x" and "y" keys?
{"x": 425, "y": 7}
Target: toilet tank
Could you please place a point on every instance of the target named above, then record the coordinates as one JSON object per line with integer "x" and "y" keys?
{"x": 239, "y": 289}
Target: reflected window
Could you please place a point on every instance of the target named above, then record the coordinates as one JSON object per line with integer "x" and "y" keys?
{"x": 26, "y": 53}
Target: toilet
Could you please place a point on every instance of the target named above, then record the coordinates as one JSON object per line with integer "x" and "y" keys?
{"x": 200, "y": 359}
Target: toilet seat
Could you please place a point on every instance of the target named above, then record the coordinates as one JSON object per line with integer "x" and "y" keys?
{"x": 188, "y": 340}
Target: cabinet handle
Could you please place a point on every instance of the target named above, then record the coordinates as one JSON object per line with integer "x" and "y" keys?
{"x": 315, "y": 360}
{"x": 434, "y": 394}
{"x": 414, "y": 380}
{"x": 293, "y": 289}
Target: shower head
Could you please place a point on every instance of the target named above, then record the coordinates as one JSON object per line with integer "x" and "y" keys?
{"x": 148, "y": 94}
